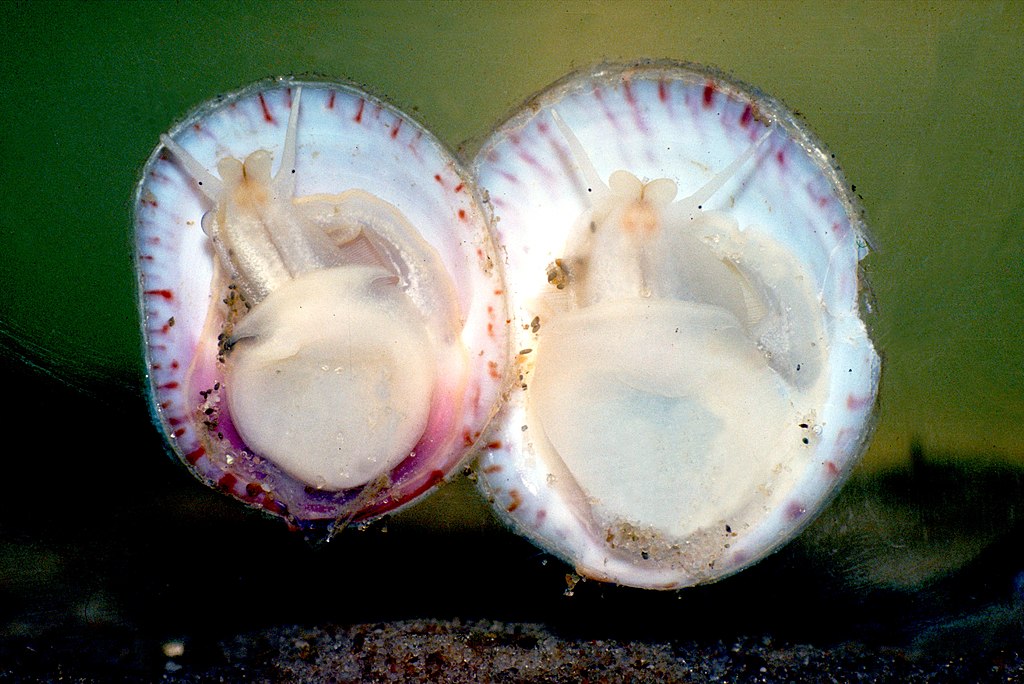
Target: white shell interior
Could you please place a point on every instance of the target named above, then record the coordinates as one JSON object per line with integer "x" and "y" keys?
{"x": 695, "y": 378}
{"x": 365, "y": 358}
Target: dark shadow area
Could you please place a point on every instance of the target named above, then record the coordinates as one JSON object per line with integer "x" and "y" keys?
{"x": 112, "y": 556}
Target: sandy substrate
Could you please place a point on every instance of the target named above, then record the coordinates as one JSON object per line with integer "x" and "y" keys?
{"x": 429, "y": 651}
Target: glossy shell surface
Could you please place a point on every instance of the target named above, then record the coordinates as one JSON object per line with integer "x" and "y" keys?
{"x": 350, "y": 257}
{"x": 694, "y": 376}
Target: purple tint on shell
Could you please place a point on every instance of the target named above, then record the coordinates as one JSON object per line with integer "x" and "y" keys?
{"x": 346, "y": 140}
{"x": 685, "y": 124}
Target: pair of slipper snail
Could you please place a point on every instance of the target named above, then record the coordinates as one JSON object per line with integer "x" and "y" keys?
{"x": 638, "y": 309}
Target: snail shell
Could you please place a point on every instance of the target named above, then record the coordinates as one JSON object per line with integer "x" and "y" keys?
{"x": 695, "y": 376}
{"x": 323, "y": 314}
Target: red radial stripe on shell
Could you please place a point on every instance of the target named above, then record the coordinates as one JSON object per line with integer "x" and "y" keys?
{"x": 795, "y": 510}
{"x": 747, "y": 116}
{"x": 638, "y": 115}
{"x": 709, "y": 94}
{"x": 195, "y": 455}
{"x": 855, "y": 403}
{"x": 267, "y": 116}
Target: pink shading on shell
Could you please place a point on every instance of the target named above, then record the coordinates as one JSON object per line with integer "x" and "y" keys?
{"x": 341, "y": 146}
{"x": 678, "y": 121}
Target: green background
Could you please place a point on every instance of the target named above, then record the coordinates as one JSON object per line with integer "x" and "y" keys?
{"x": 921, "y": 103}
